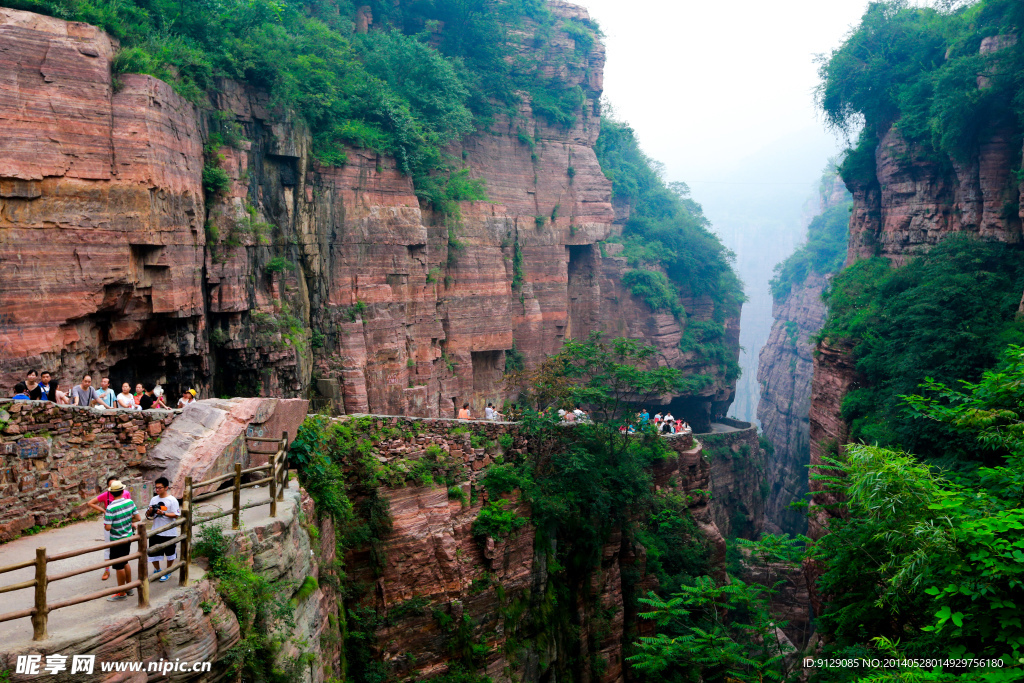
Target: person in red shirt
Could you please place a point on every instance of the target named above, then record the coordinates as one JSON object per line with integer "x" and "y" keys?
{"x": 99, "y": 504}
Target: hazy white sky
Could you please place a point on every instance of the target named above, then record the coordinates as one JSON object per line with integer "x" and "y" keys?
{"x": 708, "y": 83}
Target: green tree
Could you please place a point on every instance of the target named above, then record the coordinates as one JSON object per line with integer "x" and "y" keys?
{"x": 696, "y": 640}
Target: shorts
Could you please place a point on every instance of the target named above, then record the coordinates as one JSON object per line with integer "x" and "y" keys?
{"x": 106, "y": 537}
{"x": 168, "y": 553}
{"x": 119, "y": 551}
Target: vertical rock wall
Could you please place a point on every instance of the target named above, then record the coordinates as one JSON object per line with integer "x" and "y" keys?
{"x": 101, "y": 212}
{"x": 296, "y": 275}
{"x": 785, "y": 370}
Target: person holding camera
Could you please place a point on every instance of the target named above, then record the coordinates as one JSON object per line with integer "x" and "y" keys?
{"x": 163, "y": 509}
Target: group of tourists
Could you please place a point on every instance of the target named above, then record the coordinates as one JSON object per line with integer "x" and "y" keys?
{"x": 663, "y": 424}
{"x": 44, "y": 387}
{"x": 490, "y": 413}
{"x": 120, "y": 514}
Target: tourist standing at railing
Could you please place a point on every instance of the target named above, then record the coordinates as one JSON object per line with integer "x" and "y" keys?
{"x": 186, "y": 398}
{"x": 31, "y": 382}
{"x": 120, "y": 514}
{"x": 43, "y": 391}
{"x": 125, "y": 400}
{"x": 464, "y": 413}
{"x": 20, "y": 392}
{"x": 105, "y": 393}
{"x": 99, "y": 504}
{"x": 148, "y": 399}
{"x": 163, "y": 510}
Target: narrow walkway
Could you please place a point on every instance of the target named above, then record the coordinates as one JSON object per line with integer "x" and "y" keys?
{"x": 95, "y": 614}
{"x": 719, "y": 428}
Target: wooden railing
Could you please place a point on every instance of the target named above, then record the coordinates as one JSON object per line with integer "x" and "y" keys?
{"x": 277, "y": 478}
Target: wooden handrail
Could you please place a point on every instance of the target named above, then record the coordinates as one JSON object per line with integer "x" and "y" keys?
{"x": 16, "y": 567}
{"x": 137, "y": 583}
{"x": 18, "y": 586}
{"x": 85, "y": 551}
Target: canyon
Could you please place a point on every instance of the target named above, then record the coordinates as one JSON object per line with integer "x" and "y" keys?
{"x": 785, "y": 371}
{"x": 299, "y": 277}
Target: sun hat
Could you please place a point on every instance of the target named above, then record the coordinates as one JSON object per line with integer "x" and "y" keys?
{"x": 192, "y": 391}
{"x": 115, "y": 486}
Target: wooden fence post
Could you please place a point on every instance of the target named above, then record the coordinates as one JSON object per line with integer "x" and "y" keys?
{"x": 236, "y": 496}
{"x": 143, "y": 565}
{"x": 284, "y": 466}
{"x": 41, "y": 614}
{"x": 186, "y": 529}
{"x": 273, "y": 483}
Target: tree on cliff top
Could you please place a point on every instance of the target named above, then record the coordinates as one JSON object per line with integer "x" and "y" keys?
{"x": 429, "y": 73}
{"x": 921, "y": 69}
{"x": 666, "y": 228}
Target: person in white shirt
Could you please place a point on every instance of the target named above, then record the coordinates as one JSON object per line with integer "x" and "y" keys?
{"x": 125, "y": 399}
{"x": 163, "y": 509}
{"x": 189, "y": 397}
{"x": 490, "y": 413}
{"x": 670, "y": 424}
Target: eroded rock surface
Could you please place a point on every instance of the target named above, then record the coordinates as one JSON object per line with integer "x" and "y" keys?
{"x": 296, "y": 269}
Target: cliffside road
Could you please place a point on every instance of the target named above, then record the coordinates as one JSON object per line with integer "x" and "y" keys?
{"x": 95, "y": 615}
{"x": 719, "y": 428}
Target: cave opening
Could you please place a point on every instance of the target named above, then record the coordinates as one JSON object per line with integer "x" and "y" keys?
{"x": 583, "y": 290}
{"x": 488, "y": 377}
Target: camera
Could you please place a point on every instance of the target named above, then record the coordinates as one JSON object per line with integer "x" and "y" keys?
{"x": 156, "y": 509}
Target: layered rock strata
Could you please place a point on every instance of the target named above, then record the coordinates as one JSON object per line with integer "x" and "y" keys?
{"x": 295, "y": 271}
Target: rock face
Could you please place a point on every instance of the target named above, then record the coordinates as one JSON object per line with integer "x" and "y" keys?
{"x": 432, "y": 585}
{"x": 101, "y": 211}
{"x": 295, "y": 271}
{"x": 785, "y": 369}
{"x": 914, "y": 201}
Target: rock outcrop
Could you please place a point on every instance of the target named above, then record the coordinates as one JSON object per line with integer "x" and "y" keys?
{"x": 296, "y": 275}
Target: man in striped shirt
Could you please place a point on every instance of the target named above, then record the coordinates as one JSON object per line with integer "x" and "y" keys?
{"x": 118, "y": 519}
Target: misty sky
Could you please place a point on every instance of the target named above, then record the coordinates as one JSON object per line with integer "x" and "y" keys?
{"x": 705, "y": 84}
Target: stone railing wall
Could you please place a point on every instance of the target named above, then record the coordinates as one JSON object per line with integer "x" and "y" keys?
{"x": 738, "y": 483}
{"x": 55, "y": 458}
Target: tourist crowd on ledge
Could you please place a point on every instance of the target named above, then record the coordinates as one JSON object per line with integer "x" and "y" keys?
{"x": 663, "y": 424}
{"x": 43, "y": 387}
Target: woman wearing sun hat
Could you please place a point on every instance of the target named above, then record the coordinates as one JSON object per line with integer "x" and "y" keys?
{"x": 188, "y": 397}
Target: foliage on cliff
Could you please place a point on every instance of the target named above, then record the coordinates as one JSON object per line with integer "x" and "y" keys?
{"x": 823, "y": 252}
{"x": 929, "y": 557}
{"x": 666, "y": 230}
{"x": 432, "y": 73}
{"x": 920, "y": 68}
{"x": 946, "y": 315}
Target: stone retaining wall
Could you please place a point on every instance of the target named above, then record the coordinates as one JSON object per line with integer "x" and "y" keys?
{"x": 738, "y": 484}
{"x": 57, "y": 457}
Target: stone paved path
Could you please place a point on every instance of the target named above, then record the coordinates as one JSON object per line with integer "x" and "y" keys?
{"x": 85, "y": 615}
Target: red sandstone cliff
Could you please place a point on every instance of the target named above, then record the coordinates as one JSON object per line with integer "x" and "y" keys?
{"x": 297, "y": 274}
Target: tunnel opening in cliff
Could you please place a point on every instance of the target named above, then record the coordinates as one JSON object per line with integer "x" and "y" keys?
{"x": 488, "y": 374}
{"x": 696, "y": 410}
{"x": 175, "y": 375}
{"x": 583, "y": 289}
